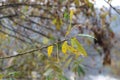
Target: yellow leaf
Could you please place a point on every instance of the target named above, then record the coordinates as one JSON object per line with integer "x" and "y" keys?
{"x": 57, "y": 22}
{"x": 68, "y": 30}
{"x": 64, "y": 47}
{"x": 69, "y": 27}
{"x": 73, "y": 50}
{"x": 54, "y": 21}
{"x": 50, "y": 49}
{"x": 71, "y": 14}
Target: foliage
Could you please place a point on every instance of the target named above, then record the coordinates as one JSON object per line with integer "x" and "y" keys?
{"x": 40, "y": 34}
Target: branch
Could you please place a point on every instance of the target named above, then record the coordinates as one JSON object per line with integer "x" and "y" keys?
{"x": 14, "y": 36}
{"x": 19, "y": 33}
{"x": 30, "y": 20}
{"x": 42, "y": 17}
{"x": 31, "y": 51}
{"x": 35, "y": 5}
{"x": 112, "y": 7}
{"x": 31, "y": 29}
{"x": 8, "y": 16}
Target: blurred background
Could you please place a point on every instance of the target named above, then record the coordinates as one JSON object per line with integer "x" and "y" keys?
{"x": 29, "y": 27}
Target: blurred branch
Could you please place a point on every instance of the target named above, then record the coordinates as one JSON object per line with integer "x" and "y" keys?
{"x": 28, "y": 19}
{"x": 31, "y": 51}
{"x": 112, "y": 7}
{"x": 19, "y": 33}
{"x": 32, "y": 21}
{"x": 28, "y": 28}
{"x": 9, "y": 16}
{"x": 35, "y": 5}
{"x": 14, "y": 36}
{"x": 42, "y": 17}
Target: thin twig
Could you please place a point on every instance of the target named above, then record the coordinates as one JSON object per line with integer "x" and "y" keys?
{"x": 34, "y": 5}
{"x": 13, "y": 30}
{"x": 14, "y": 36}
{"x": 112, "y": 7}
{"x": 28, "y": 28}
{"x": 8, "y": 16}
{"x": 30, "y": 51}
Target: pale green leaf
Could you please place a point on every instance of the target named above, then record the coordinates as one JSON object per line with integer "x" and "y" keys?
{"x": 67, "y": 62}
{"x": 86, "y": 35}
{"x": 80, "y": 47}
{"x": 1, "y": 76}
{"x": 48, "y": 72}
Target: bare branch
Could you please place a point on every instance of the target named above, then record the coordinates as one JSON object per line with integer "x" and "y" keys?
{"x": 34, "y": 5}
{"x": 31, "y": 29}
{"x": 9, "y": 16}
{"x": 112, "y": 7}
{"x": 31, "y": 51}
{"x": 14, "y": 36}
{"x": 19, "y": 33}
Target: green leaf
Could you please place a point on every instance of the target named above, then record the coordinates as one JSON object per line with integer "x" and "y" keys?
{"x": 62, "y": 77}
{"x": 86, "y": 35}
{"x": 45, "y": 40}
{"x": 68, "y": 62}
{"x": 13, "y": 73}
{"x": 66, "y": 15}
{"x": 48, "y": 72}
{"x": 77, "y": 62}
{"x": 1, "y": 76}
{"x": 69, "y": 27}
{"x": 80, "y": 70}
{"x": 79, "y": 47}
{"x": 49, "y": 77}
{"x": 73, "y": 43}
